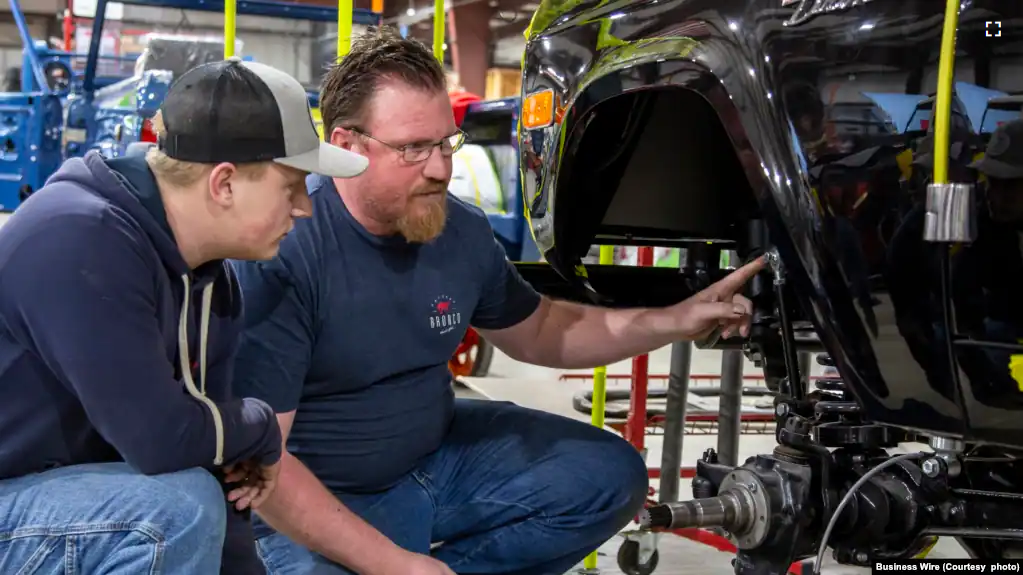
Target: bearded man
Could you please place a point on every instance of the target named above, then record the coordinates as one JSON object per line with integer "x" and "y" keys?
{"x": 349, "y": 335}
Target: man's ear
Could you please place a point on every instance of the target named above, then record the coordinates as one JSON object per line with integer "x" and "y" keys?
{"x": 342, "y": 138}
{"x": 220, "y": 184}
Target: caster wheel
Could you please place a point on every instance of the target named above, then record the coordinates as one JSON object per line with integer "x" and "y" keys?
{"x": 628, "y": 559}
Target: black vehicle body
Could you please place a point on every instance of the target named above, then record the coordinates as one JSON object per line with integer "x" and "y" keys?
{"x": 794, "y": 125}
{"x": 689, "y": 122}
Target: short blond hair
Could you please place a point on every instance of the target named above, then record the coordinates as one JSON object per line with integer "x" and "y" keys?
{"x": 181, "y": 174}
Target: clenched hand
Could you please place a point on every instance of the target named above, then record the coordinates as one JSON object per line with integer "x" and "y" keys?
{"x": 258, "y": 482}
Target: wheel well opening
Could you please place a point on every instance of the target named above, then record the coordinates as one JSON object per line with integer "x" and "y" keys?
{"x": 654, "y": 167}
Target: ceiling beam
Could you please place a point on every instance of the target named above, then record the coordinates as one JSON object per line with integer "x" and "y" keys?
{"x": 424, "y": 9}
{"x": 359, "y": 4}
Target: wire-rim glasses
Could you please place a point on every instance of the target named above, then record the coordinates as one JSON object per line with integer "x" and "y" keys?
{"x": 421, "y": 151}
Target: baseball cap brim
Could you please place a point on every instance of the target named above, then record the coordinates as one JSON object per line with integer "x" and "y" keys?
{"x": 998, "y": 170}
{"x": 328, "y": 160}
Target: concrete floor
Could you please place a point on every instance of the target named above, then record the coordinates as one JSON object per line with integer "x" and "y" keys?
{"x": 542, "y": 388}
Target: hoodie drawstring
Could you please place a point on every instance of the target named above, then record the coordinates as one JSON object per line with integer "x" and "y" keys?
{"x": 186, "y": 366}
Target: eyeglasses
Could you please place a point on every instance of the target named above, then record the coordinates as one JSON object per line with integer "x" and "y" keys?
{"x": 420, "y": 151}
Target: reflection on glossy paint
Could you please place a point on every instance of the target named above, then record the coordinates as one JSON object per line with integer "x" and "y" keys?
{"x": 827, "y": 107}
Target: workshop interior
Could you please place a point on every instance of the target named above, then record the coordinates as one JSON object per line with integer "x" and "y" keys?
{"x": 631, "y": 153}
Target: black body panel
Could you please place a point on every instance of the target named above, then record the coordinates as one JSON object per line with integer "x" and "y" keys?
{"x": 683, "y": 119}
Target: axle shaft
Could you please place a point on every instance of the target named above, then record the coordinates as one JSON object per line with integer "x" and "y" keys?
{"x": 728, "y": 510}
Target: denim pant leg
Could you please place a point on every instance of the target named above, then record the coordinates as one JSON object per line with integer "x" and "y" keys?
{"x": 520, "y": 491}
{"x": 404, "y": 513}
{"x": 107, "y": 518}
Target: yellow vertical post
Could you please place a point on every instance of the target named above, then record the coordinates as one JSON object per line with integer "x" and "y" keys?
{"x": 345, "y": 10}
{"x": 438, "y": 30}
{"x": 607, "y": 257}
{"x": 943, "y": 97}
{"x": 230, "y": 14}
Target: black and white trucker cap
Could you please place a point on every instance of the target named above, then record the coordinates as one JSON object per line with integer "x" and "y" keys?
{"x": 238, "y": 112}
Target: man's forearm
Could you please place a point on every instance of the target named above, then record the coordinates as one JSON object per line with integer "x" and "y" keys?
{"x": 576, "y": 336}
{"x": 304, "y": 510}
{"x": 568, "y": 335}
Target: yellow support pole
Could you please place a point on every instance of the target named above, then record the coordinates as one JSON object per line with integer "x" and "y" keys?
{"x": 607, "y": 257}
{"x": 230, "y": 15}
{"x": 438, "y": 30}
{"x": 345, "y": 10}
{"x": 943, "y": 98}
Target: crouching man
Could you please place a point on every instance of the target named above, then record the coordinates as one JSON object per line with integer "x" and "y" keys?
{"x": 348, "y": 336}
{"x": 119, "y": 320}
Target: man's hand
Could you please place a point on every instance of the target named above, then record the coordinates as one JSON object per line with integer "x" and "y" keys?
{"x": 719, "y": 306}
{"x": 258, "y": 482}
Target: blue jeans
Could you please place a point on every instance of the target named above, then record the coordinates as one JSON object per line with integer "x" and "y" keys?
{"x": 511, "y": 491}
{"x": 107, "y": 518}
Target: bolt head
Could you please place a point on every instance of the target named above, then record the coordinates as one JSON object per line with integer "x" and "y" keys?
{"x": 931, "y": 468}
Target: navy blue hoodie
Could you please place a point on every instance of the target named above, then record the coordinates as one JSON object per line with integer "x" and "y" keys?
{"x": 92, "y": 288}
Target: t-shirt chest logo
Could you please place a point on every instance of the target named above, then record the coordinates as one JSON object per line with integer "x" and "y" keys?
{"x": 444, "y": 316}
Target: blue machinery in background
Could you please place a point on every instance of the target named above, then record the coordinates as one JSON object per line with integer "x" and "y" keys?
{"x": 272, "y": 9}
{"x": 492, "y": 124}
{"x": 30, "y": 125}
{"x": 59, "y": 114}
{"x": 50, "y": 121}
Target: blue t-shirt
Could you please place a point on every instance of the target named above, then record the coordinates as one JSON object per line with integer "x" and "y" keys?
{"x": 354, "y": 331}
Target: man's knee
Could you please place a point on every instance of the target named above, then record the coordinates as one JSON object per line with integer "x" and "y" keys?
{"x": 625, "y": 473}
{"x": 190, "y": 501}
{"x": 605, "y": 474}
{"x": 183, "y": 513}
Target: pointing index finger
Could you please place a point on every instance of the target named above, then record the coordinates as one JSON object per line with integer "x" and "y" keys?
{"x": 733, "y": 282}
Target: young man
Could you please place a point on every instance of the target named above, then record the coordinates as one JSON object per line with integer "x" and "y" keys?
{"x": 118, "y": 326}
{"x": 348, "y": 336}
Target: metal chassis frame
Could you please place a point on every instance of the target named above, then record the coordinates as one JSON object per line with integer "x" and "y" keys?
{"x": 729, "y": 431}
